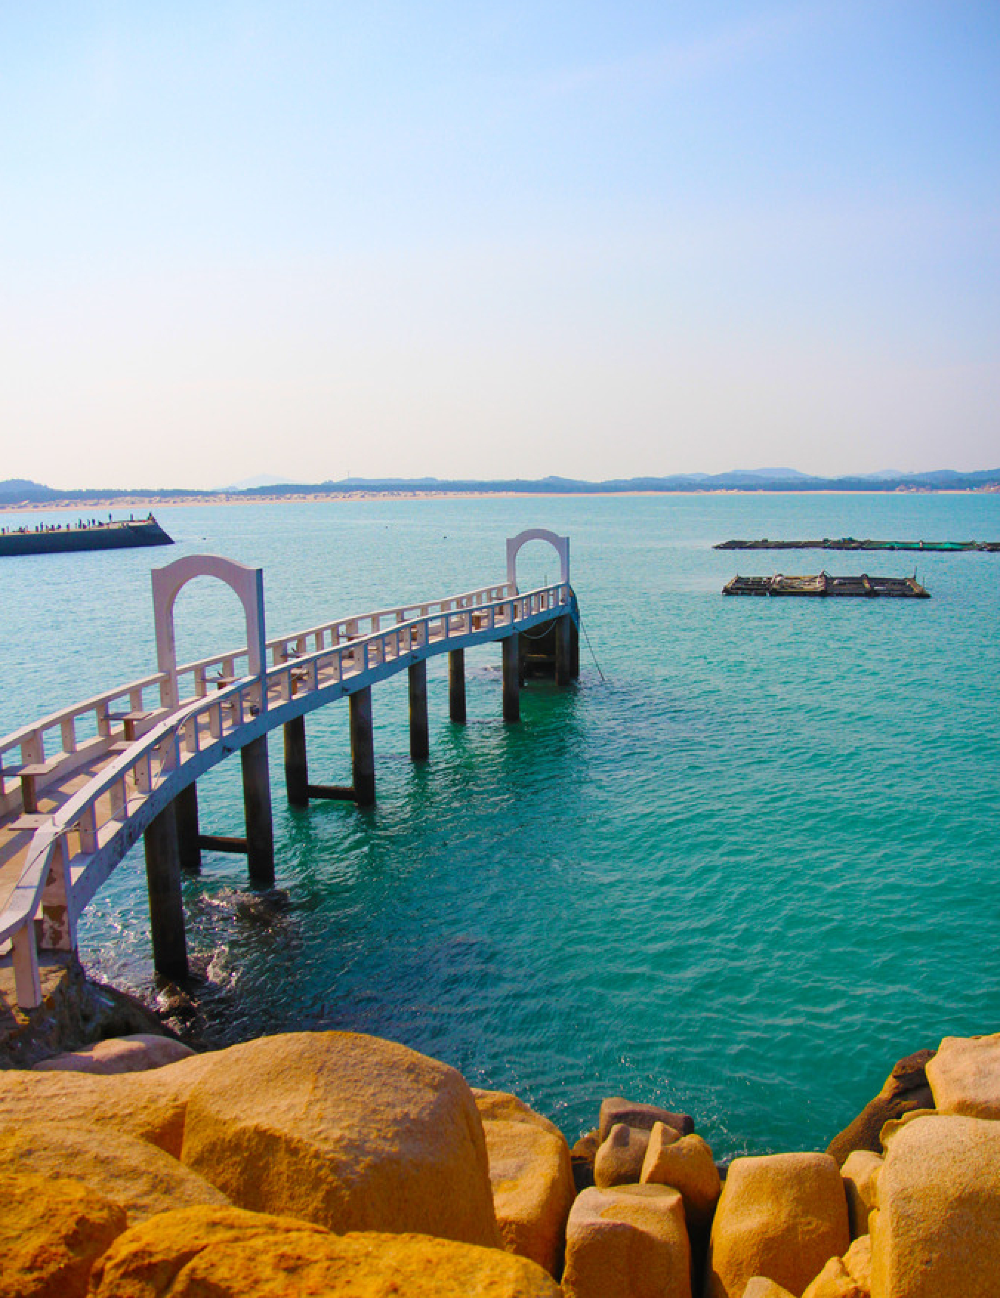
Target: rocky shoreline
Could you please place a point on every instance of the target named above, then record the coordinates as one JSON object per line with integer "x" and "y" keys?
{"x": 336, "y": 1163}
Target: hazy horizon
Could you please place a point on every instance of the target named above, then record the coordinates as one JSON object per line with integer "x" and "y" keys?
{"x": 497, "y": 240}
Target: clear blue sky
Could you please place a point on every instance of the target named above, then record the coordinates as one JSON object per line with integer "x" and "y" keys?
{"x": 496, "y": 239}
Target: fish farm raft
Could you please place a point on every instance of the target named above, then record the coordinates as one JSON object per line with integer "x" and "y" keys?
{"x": 849, "y": 543}
{"x": 823, "y": 584}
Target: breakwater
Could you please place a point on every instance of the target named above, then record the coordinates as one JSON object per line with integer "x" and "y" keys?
{"x": 83, "y": 535}
{"x": 135, "y": 1163}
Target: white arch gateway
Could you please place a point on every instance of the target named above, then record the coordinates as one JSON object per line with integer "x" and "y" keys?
{"x": 559, "y": 543}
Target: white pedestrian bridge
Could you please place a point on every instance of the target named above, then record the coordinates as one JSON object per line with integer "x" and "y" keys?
{"x": 79, "y": 787}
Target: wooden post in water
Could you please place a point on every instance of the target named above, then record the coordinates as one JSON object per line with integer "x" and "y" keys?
{"x": 188, "y": 846}
{"x": 257, "y": 809}
{"x": 420, "y": 746}
{"x": 296, "y": 762}
{"x": 166, "y": 909}
{"x": 574, "y": 645}
{"x": 564, "y": 650}
{"x": 511, "y": 678}
{"x": 456, "y": 685}
{"x": 362, "y": 747}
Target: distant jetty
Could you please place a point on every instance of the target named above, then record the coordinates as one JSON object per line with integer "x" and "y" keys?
{"x": 849, "y": 543}
{"x": 823, "y": 584}
{"x": 86, "y": 534}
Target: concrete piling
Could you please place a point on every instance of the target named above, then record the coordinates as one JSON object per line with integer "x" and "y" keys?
{"x": 456, "y": 686}
{"x": 564, "y": 650}
{"x": 257, "y": 809}
{"x": 362, "y": 747}
{"x": 296, "y": 762}
{"x": 419, "y": 732}
{"x": 166, "y": 910}
{"x": 188, "y": 845}
{"x": 511, "y": 678}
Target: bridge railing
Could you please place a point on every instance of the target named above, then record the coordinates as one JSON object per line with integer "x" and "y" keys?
{"x": 67, "y": 859}
{"x": 74, "y": 736}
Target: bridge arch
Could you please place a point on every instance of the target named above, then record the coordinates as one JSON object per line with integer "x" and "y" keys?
{"x": 559, "y": 543}
{"x": 248, "y": 586}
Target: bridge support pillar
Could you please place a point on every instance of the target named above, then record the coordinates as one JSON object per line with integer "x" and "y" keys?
{"x": 296, "y": 762}
{"x": 188, "y": 846}
{"x": 511, "y": 678}
{"x": 362, "y": 748}
{"x": 564, "y": 650}
{"x": 257, "y": 809}
{"x": 166, "y": 909}
{"x": 420, "y": 746}
{"x": 456, "y": 686}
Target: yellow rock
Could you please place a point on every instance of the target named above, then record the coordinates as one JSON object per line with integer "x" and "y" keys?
{"x": 836, "y": 1281}
{"x": 781, "y": 1216}
{"x": 687, "y": 1165}
{"x": 936, "y": 1222}
{"x": 51, "y": 1233}
{"x": 229, "y": 1253}
{"x": 149, "y": 1105}
{"x": 531, "y": 1176}
{"x": 964, "y": 1076}
{"x": 138, "y": 1176}
{"x": 627, "y": 1242}
{"x": 620, "y": 1157}
{"x": 132, "y": 1054}
{"x": 760, "y": 1287}
{"x": 860, "y": 1173}
{"x": 858, "y": 1260}
{"x": 347, "y": 1131}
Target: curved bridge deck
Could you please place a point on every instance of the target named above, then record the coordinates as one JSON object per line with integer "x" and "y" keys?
{"x": 78, "y": 788}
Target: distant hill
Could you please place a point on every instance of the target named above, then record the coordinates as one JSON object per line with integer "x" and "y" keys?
{"x": 15, "y": 490}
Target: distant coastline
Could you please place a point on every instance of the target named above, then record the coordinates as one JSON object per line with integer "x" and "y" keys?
{"x": 25, "y": 495}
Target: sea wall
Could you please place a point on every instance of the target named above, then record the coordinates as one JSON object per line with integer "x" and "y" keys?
{"x": 338, "y": 1163}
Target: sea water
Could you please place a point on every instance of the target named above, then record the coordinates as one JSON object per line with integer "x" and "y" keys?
{"x": 742, "y": 866}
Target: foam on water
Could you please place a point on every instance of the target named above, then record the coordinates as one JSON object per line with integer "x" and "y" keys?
{"x": 740, "y": 877}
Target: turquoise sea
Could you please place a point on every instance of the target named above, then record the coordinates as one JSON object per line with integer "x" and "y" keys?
{"x": 743, "y": 866}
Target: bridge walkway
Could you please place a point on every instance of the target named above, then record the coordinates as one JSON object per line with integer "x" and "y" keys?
{"x": 125, "y": 758}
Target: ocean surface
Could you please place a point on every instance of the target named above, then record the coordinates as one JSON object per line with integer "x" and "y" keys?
{"x": 739, "y": 869}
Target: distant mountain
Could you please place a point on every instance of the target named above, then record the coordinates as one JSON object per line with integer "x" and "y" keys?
{"x": 262, "y": 480}
{"x": 773, "y": 475}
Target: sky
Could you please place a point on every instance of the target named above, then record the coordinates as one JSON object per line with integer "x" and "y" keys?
{"x": 493, "y": 240}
